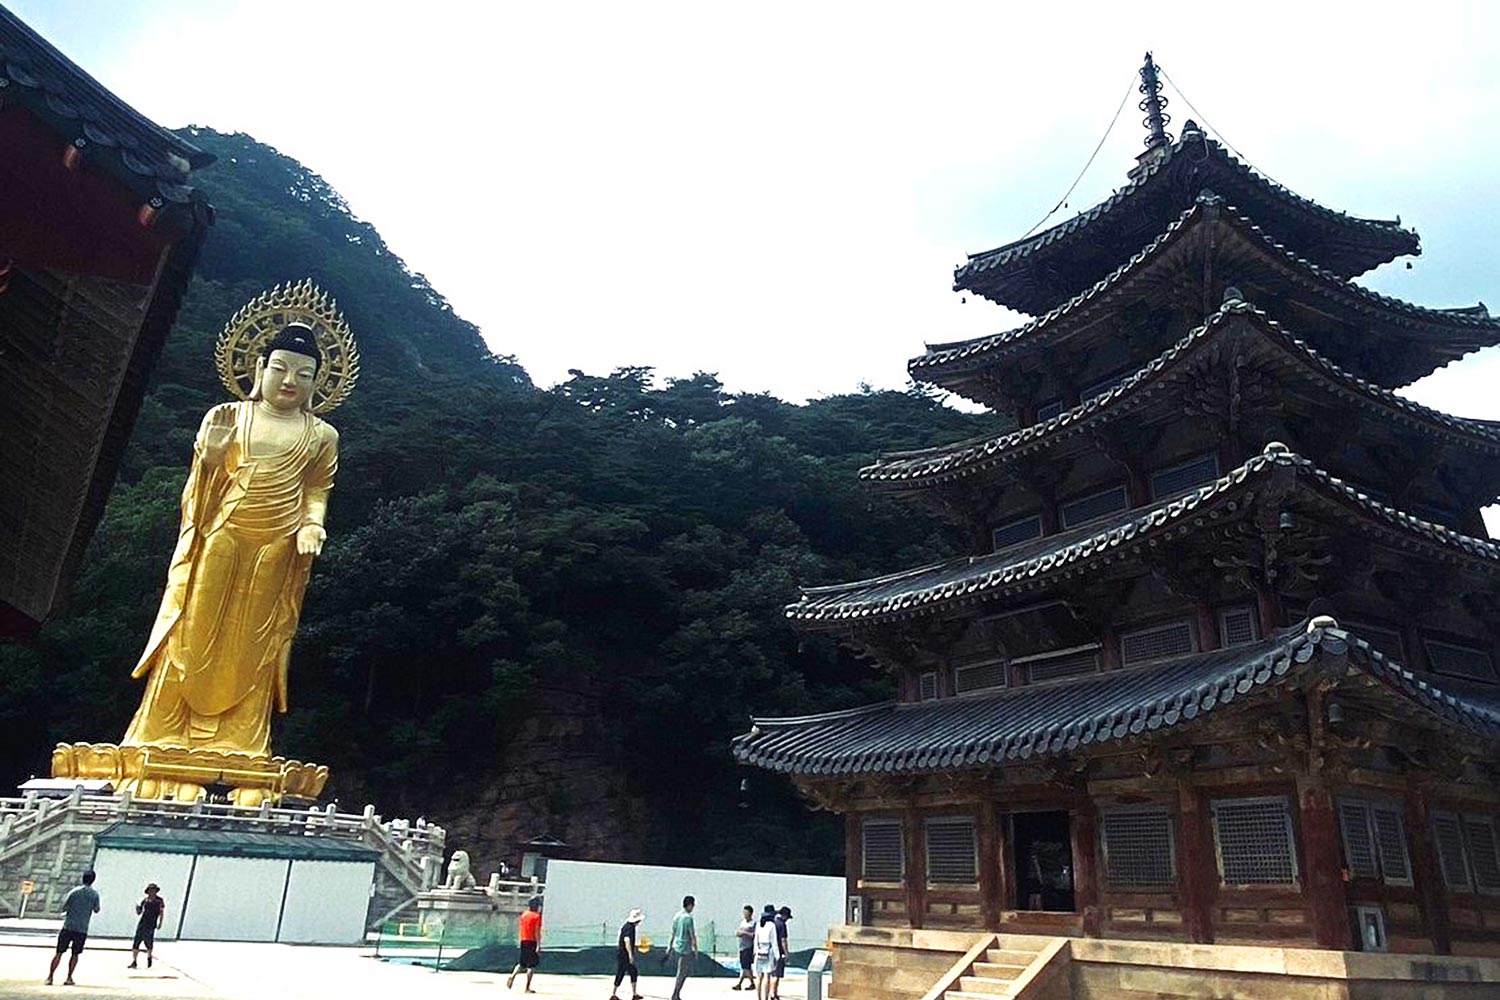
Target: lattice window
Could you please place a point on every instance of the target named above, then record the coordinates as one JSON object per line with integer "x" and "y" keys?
{"x": 1093, "y": 506}
{"x": 1254, "y": 841}
{"x": 1063, "y": 663}
{"x": 1484, "y": 852}
{"x": 1047, "y": 411}
{"x": 979, "y": 676}
{"x": 1157, "y": 642}
{"x": 1374, "y": 841}
{"x": 1460, "y": 661}
{"x": 1448, "y": 836}
{"x": 1386, "y": 640}
{"x": 1180, "y": 478}
{"x": 1016, "y": 532}
{"x": 952, "y": 854}
{"x": 927, "y": 686}
{"x": 1238, "y": 625}
{"x": 1138, "y": 848}
{"x": 884, "y": 851}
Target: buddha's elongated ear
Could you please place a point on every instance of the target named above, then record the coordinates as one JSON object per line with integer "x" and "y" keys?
{"x": 260, "y": 371}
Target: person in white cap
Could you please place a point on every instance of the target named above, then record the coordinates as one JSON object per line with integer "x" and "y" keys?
{"x": 625, "y": 956}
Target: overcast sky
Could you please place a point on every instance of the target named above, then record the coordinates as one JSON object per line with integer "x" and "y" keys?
{"x": 779, "y": 192}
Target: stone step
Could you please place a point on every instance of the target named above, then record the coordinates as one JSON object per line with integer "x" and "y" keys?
{"x": 1022, "y": 942}
{"x": 999, "y": 970}
{"x": 1009, "y": 956}
{"x": 987, "y": 987}
{"x": 957, "y": 995}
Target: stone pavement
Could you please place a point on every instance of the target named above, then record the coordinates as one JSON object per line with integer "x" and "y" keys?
{"x": 211, "y": 970}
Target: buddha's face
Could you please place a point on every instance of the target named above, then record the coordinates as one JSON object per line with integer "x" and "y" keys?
{"x": 286, "y": 380}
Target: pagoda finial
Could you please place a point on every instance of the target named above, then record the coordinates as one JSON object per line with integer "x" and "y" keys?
{"x": 1155, "y": 107}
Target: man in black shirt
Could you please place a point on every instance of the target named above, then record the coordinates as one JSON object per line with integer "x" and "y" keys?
{"x": 625, "y": 956}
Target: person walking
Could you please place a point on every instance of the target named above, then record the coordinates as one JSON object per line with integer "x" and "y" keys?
{"x": 783, "y": 949}
{"x": 79, "y": 907}
{"x": 151, "y": 910}
{"x": 684, "y": 943}
{"x": 531, "y": 944}
{"x": 767, "y": 951}
{"x": 746, "y": 935}
{"x": 625, "y": 957}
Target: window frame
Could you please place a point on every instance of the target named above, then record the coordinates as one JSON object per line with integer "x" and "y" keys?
{"x": 1368, "y": 806}
{"x": 955, "y": 819}
{"x": 922, "y": 679}
{"x": 1062, "y": 507}
{"x": 882, "y": 822}
{"x": 995, "y": 545}
{"x": 1025, "y": 663}
{"x": 1161, "y": 809}
{"x": 998, "y": 661}
{"x": 1429, "y": 641}
{"x": 1195, "y": 641}
{"x": 1155, "y": 474}
{"x": 1223, "y": 623}
{"x": 1291, "y": 836}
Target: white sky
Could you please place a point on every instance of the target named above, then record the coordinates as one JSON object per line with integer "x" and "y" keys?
{"x": 778, "y": 192}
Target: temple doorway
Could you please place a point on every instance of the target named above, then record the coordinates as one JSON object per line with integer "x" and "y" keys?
{"x": 1042, "y": 858}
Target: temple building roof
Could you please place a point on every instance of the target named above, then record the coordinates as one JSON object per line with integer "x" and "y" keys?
{"x": 1065, "y": 717}
{"x": 148, "y": 158}
{"x": 1042, "y": 562}
{"x": 1034, "y": 274}
{"x": 1396, "y": 342}
{"x": 1287, "y": 355}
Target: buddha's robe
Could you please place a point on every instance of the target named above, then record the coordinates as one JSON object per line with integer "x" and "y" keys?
{"x": 218, "y": 652}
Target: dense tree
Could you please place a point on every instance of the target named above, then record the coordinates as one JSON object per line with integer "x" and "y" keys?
{"x": 500, "y": 553}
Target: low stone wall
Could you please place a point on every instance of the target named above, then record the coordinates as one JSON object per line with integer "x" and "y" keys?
{"x": 1103, "y": 969}
{"x": 887, "y": 963}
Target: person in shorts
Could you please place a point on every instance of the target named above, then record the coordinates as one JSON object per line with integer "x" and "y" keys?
{"x": 783, "y": 949}
{"x": 746, "y": 934}
{"x": 79, "y": 907}
{"x": 151, "y": 912}
{"x": 531, "y": 944}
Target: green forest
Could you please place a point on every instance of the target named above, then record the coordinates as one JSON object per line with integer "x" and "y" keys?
{"x": 540, "y": 611}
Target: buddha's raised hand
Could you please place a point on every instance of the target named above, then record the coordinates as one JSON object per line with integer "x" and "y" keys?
{"x": 218, "y": 433}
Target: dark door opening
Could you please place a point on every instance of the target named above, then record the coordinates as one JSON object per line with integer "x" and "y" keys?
{"x": 1042, "y": 856}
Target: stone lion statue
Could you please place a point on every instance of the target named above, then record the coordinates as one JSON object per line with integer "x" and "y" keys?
{"x": 460, "y": 872}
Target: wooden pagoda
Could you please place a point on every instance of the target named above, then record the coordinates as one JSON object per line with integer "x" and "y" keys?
{"x": 99, "y": 230}
{"x": 1221, "y": 666}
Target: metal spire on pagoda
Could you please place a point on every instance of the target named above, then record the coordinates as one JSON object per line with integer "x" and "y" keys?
{"x": 1158, "y": 140}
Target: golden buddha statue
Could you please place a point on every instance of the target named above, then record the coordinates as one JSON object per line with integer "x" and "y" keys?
{"x": 253, "y": 515}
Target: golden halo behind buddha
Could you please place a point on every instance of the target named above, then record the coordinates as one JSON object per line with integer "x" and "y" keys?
{"x": 245, "y": 336}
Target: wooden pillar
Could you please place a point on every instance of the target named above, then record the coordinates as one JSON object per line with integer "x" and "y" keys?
{"x": 1322, "y": 880}
{"x": 1427, "y": 877}
{"x": 916, "y": 869}
{"x": 1007, "y": 886}
{"x": 853, "y": 853}
{"x": 1269, "y": 607}
{"x": 1208, "y": 626}
{"x": 990, "y": 843}
{"x": 1086, "y": 867}
{"x": 1197, "y": 872}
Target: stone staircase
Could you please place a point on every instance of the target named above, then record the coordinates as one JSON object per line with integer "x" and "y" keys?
{"x": 1014, "y": 966}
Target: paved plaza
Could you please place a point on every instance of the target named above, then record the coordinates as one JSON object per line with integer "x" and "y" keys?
{"x": 211, "y": 970}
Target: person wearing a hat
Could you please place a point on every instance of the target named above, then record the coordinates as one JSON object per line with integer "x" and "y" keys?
{"x": 782, "y": 950}
{"x": 152, "y": 910}
{"x": 625, "y": 956}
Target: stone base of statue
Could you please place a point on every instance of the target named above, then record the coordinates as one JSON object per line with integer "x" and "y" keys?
{"x": 464, "y": 913}
{"x": 183, "y": 775}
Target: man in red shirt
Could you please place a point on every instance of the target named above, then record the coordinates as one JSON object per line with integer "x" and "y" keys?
{"x": 531, "y": 944}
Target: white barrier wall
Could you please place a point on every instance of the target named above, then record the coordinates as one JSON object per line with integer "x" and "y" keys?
{"x": 122, "y": 878}
{"x": 586, "y": 902}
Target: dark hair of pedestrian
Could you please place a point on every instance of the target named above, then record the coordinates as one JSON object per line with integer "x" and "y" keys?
{"x": 534, "y": 903}
{"x": 688, "y": 901}
{"x": 88, "y": 877}
{"x": 770, "y": 908}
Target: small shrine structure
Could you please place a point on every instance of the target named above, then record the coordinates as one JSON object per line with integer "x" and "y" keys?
{"x": 100, "y": 227}
{"x": 1220, "y": 665}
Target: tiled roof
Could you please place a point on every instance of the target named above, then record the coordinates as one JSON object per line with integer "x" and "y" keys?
{"x": 965, "y": 580}
{"x": 151, "y": 160}
{"x": 1059, "y": 718}
{"x": 1450, "y": 332}
{"x": 947, "y": 462}
{"x": 1035, "y": 273}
